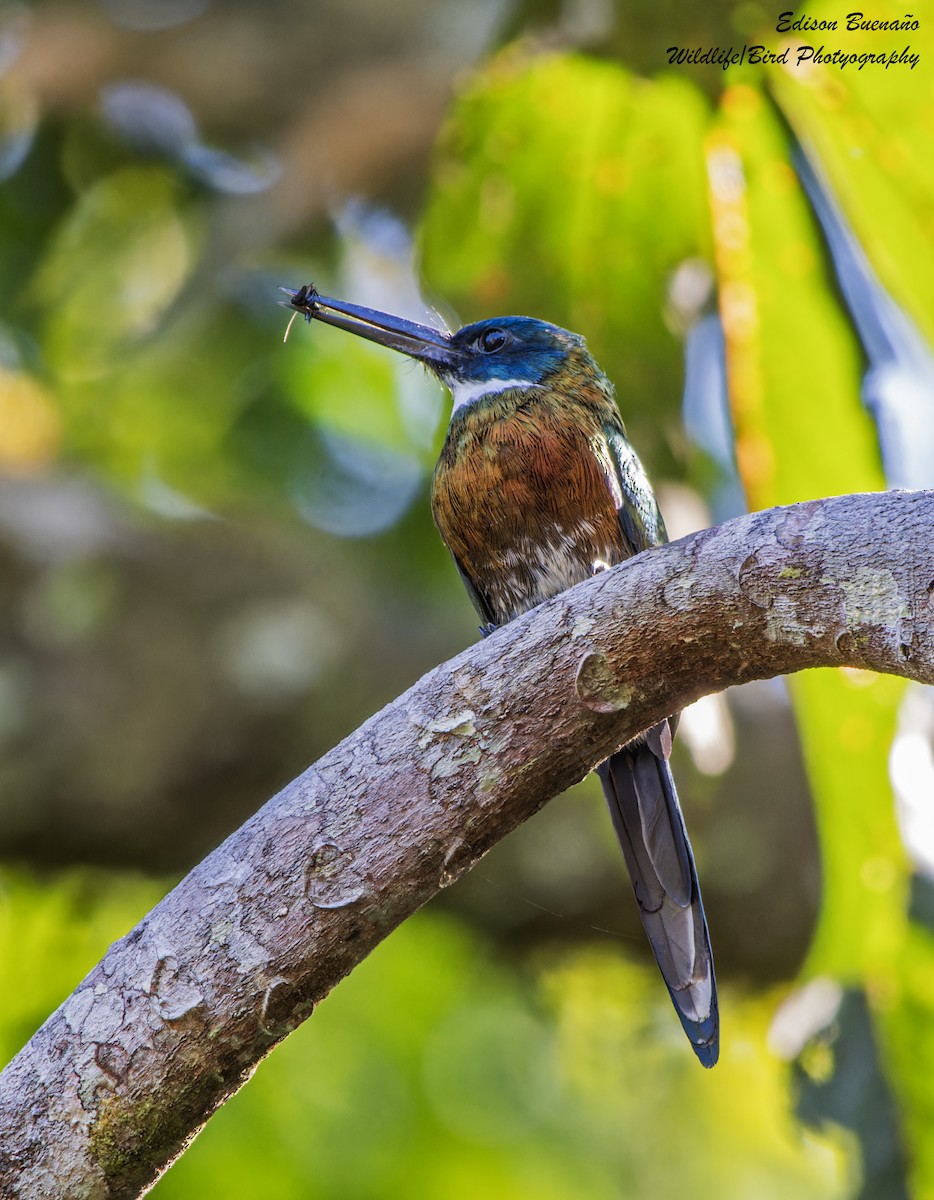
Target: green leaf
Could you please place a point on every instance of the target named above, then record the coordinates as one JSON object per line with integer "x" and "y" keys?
{"x": 872, "y": 134}
{"x": 794, "y": 368}
{"x": 114, "y": 266}
{"x": 571, "y": 190}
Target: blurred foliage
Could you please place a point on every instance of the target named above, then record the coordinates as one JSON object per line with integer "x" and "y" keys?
{"x": 466, "y": 1076}
{"x": 52, "y": 931}
{"x": 552, "y": 161}
{"x": 874, "y": 143}
{"x": 776, "y": 291}
{"x": 217, "y": 558}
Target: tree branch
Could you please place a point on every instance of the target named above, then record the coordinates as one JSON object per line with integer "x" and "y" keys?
{"x": 175, "y": 1017}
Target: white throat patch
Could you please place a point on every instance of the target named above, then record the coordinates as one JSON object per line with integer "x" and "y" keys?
{"x": 468, "y": 393}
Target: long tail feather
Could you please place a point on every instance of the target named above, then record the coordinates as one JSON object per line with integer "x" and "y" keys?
{"x": 647, "y": 817}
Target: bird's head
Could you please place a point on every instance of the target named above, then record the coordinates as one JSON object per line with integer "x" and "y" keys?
{"x": 479, "y": 360}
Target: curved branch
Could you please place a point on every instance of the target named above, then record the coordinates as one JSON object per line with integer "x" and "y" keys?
{"x": 175, "y": 1017}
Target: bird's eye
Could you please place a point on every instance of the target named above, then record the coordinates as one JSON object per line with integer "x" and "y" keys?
{"x": 491, "y": 340}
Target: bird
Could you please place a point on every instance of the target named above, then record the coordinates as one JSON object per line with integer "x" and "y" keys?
{"x": 536, "y": 489}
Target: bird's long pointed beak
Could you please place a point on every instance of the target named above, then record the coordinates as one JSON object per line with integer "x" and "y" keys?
{"x": 430, "y": 346}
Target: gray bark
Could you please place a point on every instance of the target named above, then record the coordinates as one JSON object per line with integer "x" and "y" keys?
{"x": 178, "y": 1013}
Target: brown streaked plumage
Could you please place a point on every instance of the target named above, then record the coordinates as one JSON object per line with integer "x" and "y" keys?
{"x": 522, "y": 501}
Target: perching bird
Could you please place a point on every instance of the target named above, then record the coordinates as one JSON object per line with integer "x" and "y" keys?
{"x": 536, "y": 489}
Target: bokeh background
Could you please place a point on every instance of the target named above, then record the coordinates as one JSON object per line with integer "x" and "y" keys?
{"x": 216, "y": 556}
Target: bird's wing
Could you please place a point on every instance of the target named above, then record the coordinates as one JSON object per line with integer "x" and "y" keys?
{"x": 643, "y": 803}
{"x": 639, "y": 518}
{"x": 646, "y": 815}
{"x": 479, "y": 601}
